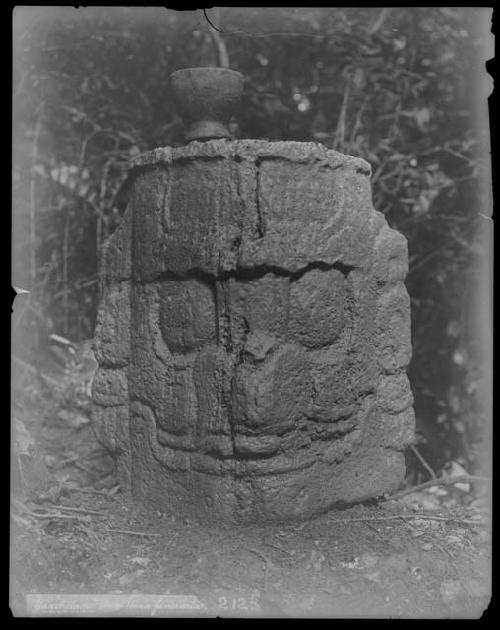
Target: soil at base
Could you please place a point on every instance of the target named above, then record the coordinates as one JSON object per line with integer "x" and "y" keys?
{"x": 74, "y": 532}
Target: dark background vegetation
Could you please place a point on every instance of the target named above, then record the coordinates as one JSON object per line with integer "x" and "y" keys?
{"x": 404, "y": 88}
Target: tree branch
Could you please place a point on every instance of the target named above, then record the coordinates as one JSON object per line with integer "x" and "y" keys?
{"x": 220, "y": 44}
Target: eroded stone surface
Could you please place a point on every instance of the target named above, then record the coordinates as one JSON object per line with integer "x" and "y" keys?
{"x": 253, "y": 333}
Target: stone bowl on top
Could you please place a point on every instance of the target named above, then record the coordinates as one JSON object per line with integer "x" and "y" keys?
{"x": 206, "y": 98}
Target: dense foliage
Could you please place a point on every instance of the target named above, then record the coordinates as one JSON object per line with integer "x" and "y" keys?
{"x": 403, "y": 88}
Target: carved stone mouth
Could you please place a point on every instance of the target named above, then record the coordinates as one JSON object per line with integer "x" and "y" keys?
{"x": 176, "y": 453}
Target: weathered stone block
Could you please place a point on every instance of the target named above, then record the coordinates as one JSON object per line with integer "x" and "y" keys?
{"x": 302, "y": 210}
{"x": 253, "y": 334}
{"x": 203, "y": 201}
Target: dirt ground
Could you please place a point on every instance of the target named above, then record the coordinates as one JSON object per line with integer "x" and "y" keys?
{"x": 423, "y": 554}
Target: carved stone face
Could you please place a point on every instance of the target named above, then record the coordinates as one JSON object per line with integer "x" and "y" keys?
{"x": 256, "y": 340}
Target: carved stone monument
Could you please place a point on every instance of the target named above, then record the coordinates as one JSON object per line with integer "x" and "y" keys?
{"x": 253, "y": 333}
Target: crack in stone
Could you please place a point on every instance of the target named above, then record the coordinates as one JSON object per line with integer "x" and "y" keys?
{"x": 224, "y": 338}
{"x": 261, "y": 219}
{"x": 249, "y": 274}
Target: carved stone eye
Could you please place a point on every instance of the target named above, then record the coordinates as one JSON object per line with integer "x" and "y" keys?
{"x": 187, "y": 314}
